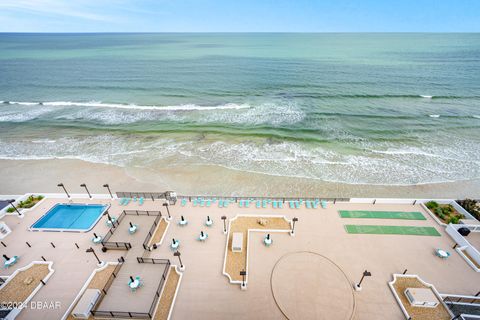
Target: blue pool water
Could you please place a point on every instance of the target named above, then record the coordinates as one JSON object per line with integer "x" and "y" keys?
{"x": 70, "y": 217}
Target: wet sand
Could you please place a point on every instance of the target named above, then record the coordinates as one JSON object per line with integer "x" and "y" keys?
{"x": 21, "y": 176}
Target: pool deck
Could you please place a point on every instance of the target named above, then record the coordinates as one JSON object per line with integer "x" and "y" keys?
{"x": 206, "y": 293}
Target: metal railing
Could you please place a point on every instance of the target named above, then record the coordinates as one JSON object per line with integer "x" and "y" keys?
{"x": 141, "y": 213}
{"x": 151, "y": 232}
{"x": 145, "y": 195}
{"x": 137, "y": 315}
{"x": 167, "y": 264}
{"x": 114, "y": 244}
{"x": 190, "y": 198}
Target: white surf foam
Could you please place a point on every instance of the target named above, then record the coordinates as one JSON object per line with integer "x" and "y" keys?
{"x": 434, "y": 116}
{"x": 99, "y": 104}
{"x": 426, "y": 97}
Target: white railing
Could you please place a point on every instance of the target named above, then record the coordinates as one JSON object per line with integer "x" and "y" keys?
{"x": 464, "y": 246}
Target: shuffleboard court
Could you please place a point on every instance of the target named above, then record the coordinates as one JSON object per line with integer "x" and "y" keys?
{"x": 400, "y": 215}
{"x": 402, "y": 230}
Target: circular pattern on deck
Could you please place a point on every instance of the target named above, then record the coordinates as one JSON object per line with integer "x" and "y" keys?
{"x": 307, "y": 285}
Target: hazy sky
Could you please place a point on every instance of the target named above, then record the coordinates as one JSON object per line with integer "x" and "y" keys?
{"x": 239, "y": 15}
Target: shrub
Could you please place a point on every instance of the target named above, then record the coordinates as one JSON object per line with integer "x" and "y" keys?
{"x": 431, "y": 205}
{"x": 454, "y": 219}
{"x": 438, "y": 211}
{"x": 471, "y": 206}
{"x": 10, "y": 210}
{"x": 441, "y": 216}
{"x": 448, "y": 209}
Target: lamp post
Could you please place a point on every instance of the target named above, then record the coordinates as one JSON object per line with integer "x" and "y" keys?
{"x": 243, "y": 286}
{"x": 224, "y": 218}
{"x": 62, "y": 186}
{"x": 292, "y": 233}
{"x": 108, "y": 187}
{"x": 100, "y": 263}
{"x": 168, "y": 211}
{"x": 85, "y": 186}
{"x": 11, "y": 203}
{"x": 358, "y": 287}
{"x": 177, "y": 254}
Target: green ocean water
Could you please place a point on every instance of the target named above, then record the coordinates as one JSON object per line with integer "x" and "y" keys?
{"x": 393, "y": 109}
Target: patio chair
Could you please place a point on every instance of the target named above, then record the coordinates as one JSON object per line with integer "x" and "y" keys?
{"x": 442, "y": 253}
{"x": 175, "y": 244}
{"x": 209, "y": 222}
{"x": 182, "y": 222}
{"x": 203, "y": 236}
{"x": 10, "y": 261}
{"x": 267, "y": 241}
{"x": 96, "y": 239}
{"x": 110, "y": 222}
{"x": 133, "y": 228}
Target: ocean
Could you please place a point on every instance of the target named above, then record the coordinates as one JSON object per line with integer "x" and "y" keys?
{"x": 378, "y": 109}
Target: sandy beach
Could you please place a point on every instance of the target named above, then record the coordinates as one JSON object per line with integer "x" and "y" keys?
{"x": 21, "y": 176}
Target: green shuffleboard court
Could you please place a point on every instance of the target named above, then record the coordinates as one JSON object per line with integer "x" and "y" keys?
{"x": 401, "y": 215}
{"x": 414, "y": 231}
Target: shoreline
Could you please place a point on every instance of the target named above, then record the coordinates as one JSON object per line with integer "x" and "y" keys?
{"x": 21, "y": 176}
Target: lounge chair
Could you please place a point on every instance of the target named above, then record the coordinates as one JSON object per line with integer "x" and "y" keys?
{"x": 275, "y": 204}
{"x": 264, "y": 204}
{"x": 324, "y": 204}
{"x": 308, "y": 204}
{"x": 127, "y": 201}
{"x": 209, "y": 203}
{"x": 258, "y": 204}
{"x": 140, "y": 201}
{"x": 240, "y": 203}
{"x": 280, "y": 204}
{"x": 183, "y": 203}
{"x": 315, "y": 204}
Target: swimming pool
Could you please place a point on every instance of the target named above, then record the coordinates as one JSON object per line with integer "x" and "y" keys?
{"x": 70, "y": 217}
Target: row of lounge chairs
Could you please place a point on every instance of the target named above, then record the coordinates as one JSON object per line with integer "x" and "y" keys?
{"x": 276, "y": 204}
{"x": 126, "y": 201}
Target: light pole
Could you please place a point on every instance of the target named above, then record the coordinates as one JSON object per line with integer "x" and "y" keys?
{"x": 100, "y": 263}
{"x": 292, "y": 233}
{"x": 168, "y": 211}
{"x": 177, "y": 254}
{"x": 224, "y": 218}
{"x": 11, "y": 203}
{"x": 85, "y": 186}
{"x": 358, "y": 287}
{"x": 108, "y": 187}
{"x": 243, "y": 273}
{"x": 61, "y": 185}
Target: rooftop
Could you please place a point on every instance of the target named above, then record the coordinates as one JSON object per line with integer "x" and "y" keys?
{"x": 205, "y": 292}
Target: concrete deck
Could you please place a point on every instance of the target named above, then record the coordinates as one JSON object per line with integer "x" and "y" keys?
{"x": 206, "y": 293}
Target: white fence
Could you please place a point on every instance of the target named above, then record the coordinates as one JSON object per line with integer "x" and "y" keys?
{"x": 464, "y": 245}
